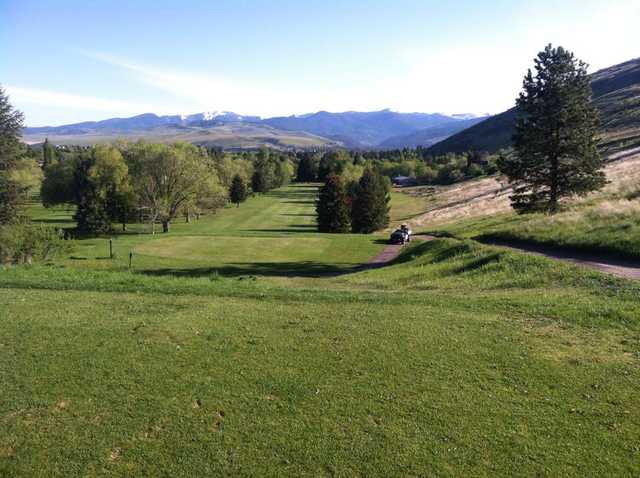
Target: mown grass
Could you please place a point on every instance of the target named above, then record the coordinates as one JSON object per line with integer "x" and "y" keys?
{"x": 458, "y": 359}
{"x": 272, "y": 235}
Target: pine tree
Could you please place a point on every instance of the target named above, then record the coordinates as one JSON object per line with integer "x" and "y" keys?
{"x": 370, "y": 204}
{"x": 11, "y": 122}
{"x": 332, "y": 207}
{"x": 259, "y": 181}
{"x": 91, "y": 216}
{"x": 307, "y": 169}
{"x": 48, "y": 154}
{"x": 555, "y": 143}
{"x": 238, "y": 190}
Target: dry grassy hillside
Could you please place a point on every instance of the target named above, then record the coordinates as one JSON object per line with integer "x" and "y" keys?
{"x": 490, "y": 196}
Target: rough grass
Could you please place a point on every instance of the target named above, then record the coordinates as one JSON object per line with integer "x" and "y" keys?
{"x": 605, "y": 222}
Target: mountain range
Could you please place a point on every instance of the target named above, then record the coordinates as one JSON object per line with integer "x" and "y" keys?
{"x": 616, "y": 94}
{"x": 366, "y": 130}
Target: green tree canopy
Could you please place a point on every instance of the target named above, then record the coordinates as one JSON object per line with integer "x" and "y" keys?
{"x": 11, "y": 193}
{"x": 555, "y": 143}
{"x": 238, "y": 191}
{"x": 166, "y": 177}
{"x": 370, "y": 204}
{"x": 332, "y": 206}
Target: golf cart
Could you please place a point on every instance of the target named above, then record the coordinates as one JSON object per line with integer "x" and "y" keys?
{"x": 401, "y": 236}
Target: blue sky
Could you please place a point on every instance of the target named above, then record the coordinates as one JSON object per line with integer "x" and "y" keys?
{"x": 67, "y": 61}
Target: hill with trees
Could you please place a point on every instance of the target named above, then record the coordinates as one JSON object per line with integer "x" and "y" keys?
{"x": 616, "y": 94}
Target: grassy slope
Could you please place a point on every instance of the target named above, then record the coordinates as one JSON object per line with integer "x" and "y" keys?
{"x": 605, "y": 222}
{"x": 459, "y": 359}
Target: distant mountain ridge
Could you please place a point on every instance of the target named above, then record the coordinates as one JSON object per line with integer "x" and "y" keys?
{"x": 616, "y": 93}
{"x": 349, "y": 129}
{"x": 429, "y": 136}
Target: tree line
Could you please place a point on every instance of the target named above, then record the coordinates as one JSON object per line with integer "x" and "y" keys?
{"x": 154, "y": 183}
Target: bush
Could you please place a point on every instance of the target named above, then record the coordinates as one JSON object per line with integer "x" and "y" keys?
{"x": 24, "y": 243}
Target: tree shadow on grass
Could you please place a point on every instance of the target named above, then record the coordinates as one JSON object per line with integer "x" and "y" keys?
{"x": 294, "y": 229}
{"x": 266, "y": 269}
{"x": 67, "y": 221}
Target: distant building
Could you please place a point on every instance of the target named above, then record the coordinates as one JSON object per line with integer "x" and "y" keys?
{"x": 403, "y": 181}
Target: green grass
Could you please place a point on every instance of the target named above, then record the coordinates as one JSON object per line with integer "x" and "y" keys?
{"x": 610, "y": 227}
{"x": 456, "y": 360}
{"x": 272, "y": 235}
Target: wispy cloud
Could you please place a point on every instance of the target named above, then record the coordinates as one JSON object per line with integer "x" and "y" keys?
{"x": 197, "y": 89}
{"x": 203, "y": 91}
{"x": 59, "y": 99}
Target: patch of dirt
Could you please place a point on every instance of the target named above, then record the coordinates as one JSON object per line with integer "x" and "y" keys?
{"x": 62, "y": 405}
{"x": 115, "y": 454}
{"x": 390, "y": 252}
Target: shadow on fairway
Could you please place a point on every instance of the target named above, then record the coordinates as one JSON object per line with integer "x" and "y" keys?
{"x": 294, "y": 229}
{"x": 267, "y": 269}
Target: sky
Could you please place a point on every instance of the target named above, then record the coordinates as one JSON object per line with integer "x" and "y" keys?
{"x": 65, "y": 61}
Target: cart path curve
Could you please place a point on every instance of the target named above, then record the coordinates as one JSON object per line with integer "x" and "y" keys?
{"x": 391, "y": 251}
{"x": 625, "y": 268}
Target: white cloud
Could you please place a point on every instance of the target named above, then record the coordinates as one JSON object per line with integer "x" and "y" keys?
{"x": 200, "y": 91}
{"x": 59, "y": 99}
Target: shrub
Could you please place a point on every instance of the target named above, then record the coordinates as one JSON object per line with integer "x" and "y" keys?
{"x": 24, "y": 243}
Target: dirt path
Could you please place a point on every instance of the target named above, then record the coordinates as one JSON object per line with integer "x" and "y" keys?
{"x": 391, "y": 251}
{"x": 627, "y": 269}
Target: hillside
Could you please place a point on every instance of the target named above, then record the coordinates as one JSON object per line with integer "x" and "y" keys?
{"x": 365, "y": 129}
{"x": 616, "y": 93}
{"x": 230, "y": 130}
{"x": 231, "y": 135}
{"x": 605, "y": 223}
{"x": 428, "y": 136}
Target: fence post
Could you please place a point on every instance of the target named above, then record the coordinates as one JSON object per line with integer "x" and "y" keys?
{"x": 110, "y": 248}
{"x": 130, "y": 258}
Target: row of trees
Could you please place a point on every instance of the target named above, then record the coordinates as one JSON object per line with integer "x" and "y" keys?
{"x": 423, "y": 170}
{"x": 154, "y": 183}
{"x": 360, "y": 206}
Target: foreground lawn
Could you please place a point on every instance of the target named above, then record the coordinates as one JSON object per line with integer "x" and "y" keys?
{"x": 355, "y": 376}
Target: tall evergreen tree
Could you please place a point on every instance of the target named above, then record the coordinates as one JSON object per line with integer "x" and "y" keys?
{"x": 48, "y": 153}
{"x": 308, "y": 168}
{"x": 555, "y": 143}
{"x": 91, "y": 216}
{"x": 370, "y": 203}
{"x": 332, "y": 206}
{"x": 11, "y": 123}
{"x": 238, "y": 190}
